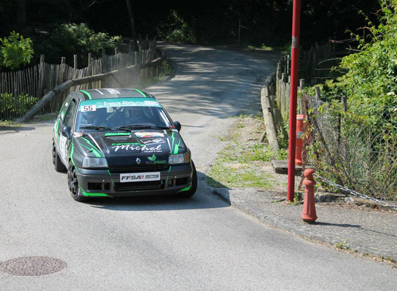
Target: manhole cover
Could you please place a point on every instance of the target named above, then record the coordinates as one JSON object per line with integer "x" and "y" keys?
{"x": 32, "y": 266}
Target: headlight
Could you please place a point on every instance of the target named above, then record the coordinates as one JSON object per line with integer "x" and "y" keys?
{"x": 94, "y": 162}
{"x": 179, "y": 158}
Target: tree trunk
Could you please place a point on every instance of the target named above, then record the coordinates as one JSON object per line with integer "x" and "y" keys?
{"x": 132, "y": 23}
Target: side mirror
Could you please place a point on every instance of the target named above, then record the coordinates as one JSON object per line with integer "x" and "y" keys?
{"x": 66, "y": 131}
{"x": 177, "y": 125}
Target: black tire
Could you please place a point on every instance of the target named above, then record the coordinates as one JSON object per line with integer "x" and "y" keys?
{"x": 59, "y": 167}
{"x": 73, "y": 183}
{"x": 193, "y": 188}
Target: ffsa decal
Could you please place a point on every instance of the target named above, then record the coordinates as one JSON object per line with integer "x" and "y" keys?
{"x": 139, "y": 177}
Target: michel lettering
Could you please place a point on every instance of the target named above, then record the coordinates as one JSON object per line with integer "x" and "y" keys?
{"x": 146, "y": 149}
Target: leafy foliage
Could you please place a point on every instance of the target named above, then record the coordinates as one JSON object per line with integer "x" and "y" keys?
{"x": 371, "y": 79}
{"x": 176, "y": 30}
{"x": 15, "y": 51}
{"x": 69, "y": 39}
{"x": 265, "y": 22}
{"x": 356, "y": 146}
{"x": 11, "y": 106}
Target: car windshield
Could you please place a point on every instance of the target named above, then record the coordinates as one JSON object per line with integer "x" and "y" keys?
{"x": 91, "y": 118}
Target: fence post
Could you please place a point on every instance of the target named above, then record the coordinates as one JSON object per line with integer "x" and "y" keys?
{"x": 63, "y": 68}
{"x": 130, "y": 46}
{"x": 104, "y": 62}
{"x": 344, "y": 102}
{"x": 282, "y": 94}
{"x": 268, "y": 119}
{"x": 288, "y": 67}
{"x": 56, "y": 104}
{"x": 41, "y": 76}
{"x": 117, "y": 57}
{"x": 89, "y": 69}
{"x": 317, "y": 89}
{"x": 75, "y": 62}
{"x": 301, "y": 84}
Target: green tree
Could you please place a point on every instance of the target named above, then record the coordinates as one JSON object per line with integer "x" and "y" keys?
{"x": 370, "y": 81}
{"x": 69, "y": 38}
{"x": 358, "y": 147}
{"x": 15, "y": 51}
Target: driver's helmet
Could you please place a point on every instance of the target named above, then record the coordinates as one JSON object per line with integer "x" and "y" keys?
{"x": 89, "y": 116}
{"x": 134, "y": 113}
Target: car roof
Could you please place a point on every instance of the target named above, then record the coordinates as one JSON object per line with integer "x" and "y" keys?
{"x": 114, "y": 93}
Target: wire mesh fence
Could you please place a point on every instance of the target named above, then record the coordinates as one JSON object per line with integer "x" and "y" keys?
{"x": 356, "y": 152}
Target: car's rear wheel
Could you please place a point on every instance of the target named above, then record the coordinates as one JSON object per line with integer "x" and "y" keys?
{"x": 193, "y": 187}
{"x": 73, "y": 183}
{"x": 59, "y": 167}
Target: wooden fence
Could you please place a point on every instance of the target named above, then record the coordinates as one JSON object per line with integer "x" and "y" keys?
{"x": 20, "y": 90}
{"x": 277, "y": 88}
{"x": 317, "y": 62}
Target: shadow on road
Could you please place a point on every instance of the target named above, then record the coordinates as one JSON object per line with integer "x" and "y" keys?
{"x": 14, "y": 129}
{"x": 355, "y": 226}
{"x": 217, "y": 81}
{"x": 203, "y": 199}
{"x": 338, "y": 224}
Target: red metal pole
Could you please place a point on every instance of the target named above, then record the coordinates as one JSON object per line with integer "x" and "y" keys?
{"x": 293, "y": 99}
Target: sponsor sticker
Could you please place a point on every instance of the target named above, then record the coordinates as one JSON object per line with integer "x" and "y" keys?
{"x": 149, "y": 141}
{"x": 152, "y": 103}
{"x": 149, "y": 134}
{"x": 88, "y": 108}
{"x": 139, "y": 177}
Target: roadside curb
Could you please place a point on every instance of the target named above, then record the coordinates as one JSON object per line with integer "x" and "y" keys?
{"x": 300, "y": 229}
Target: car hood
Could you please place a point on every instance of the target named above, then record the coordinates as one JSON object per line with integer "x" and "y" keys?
{"x": 131, "y": 148}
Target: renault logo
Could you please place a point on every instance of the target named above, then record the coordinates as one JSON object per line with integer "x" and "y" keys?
{"x": 138, "y": 161}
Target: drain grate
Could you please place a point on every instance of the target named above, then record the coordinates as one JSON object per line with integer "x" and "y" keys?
{"x": 32, "y": 266}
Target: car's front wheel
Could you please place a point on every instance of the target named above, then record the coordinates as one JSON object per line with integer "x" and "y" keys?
{"x": 193, "y": 187}
{"x": 73, "y": 183}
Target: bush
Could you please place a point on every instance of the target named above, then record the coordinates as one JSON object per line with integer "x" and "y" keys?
{"x": 69, "y": 39}
{"x": 349, "y": 150}
{"x": 15, "y": 51}
{"x": 357, "y": 147}
{"x": 13, "y": 107}
{"x": 370, "y": 81}
{"x": 176, "y": 30}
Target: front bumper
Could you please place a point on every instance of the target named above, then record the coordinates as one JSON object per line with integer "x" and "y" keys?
{"x": 104, "y": 183}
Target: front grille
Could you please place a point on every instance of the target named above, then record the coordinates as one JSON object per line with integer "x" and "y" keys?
{"x": 138, "y": 169}
{"x": 136, "y": 186}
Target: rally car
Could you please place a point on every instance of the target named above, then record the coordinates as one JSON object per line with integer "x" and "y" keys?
{"x": 120, "y": 142}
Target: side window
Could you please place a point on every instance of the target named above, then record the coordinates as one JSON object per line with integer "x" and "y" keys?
{"x": 65, "y": 107}
{"x": 68, "y": 121}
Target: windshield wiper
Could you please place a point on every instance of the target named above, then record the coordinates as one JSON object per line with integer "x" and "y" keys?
{"x": 160, "y": 127}
{"x": 132, "y": 126}
{"x": 95, "y": 127}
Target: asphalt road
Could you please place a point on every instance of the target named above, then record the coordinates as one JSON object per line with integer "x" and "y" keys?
{"x": 164, "y": 243}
